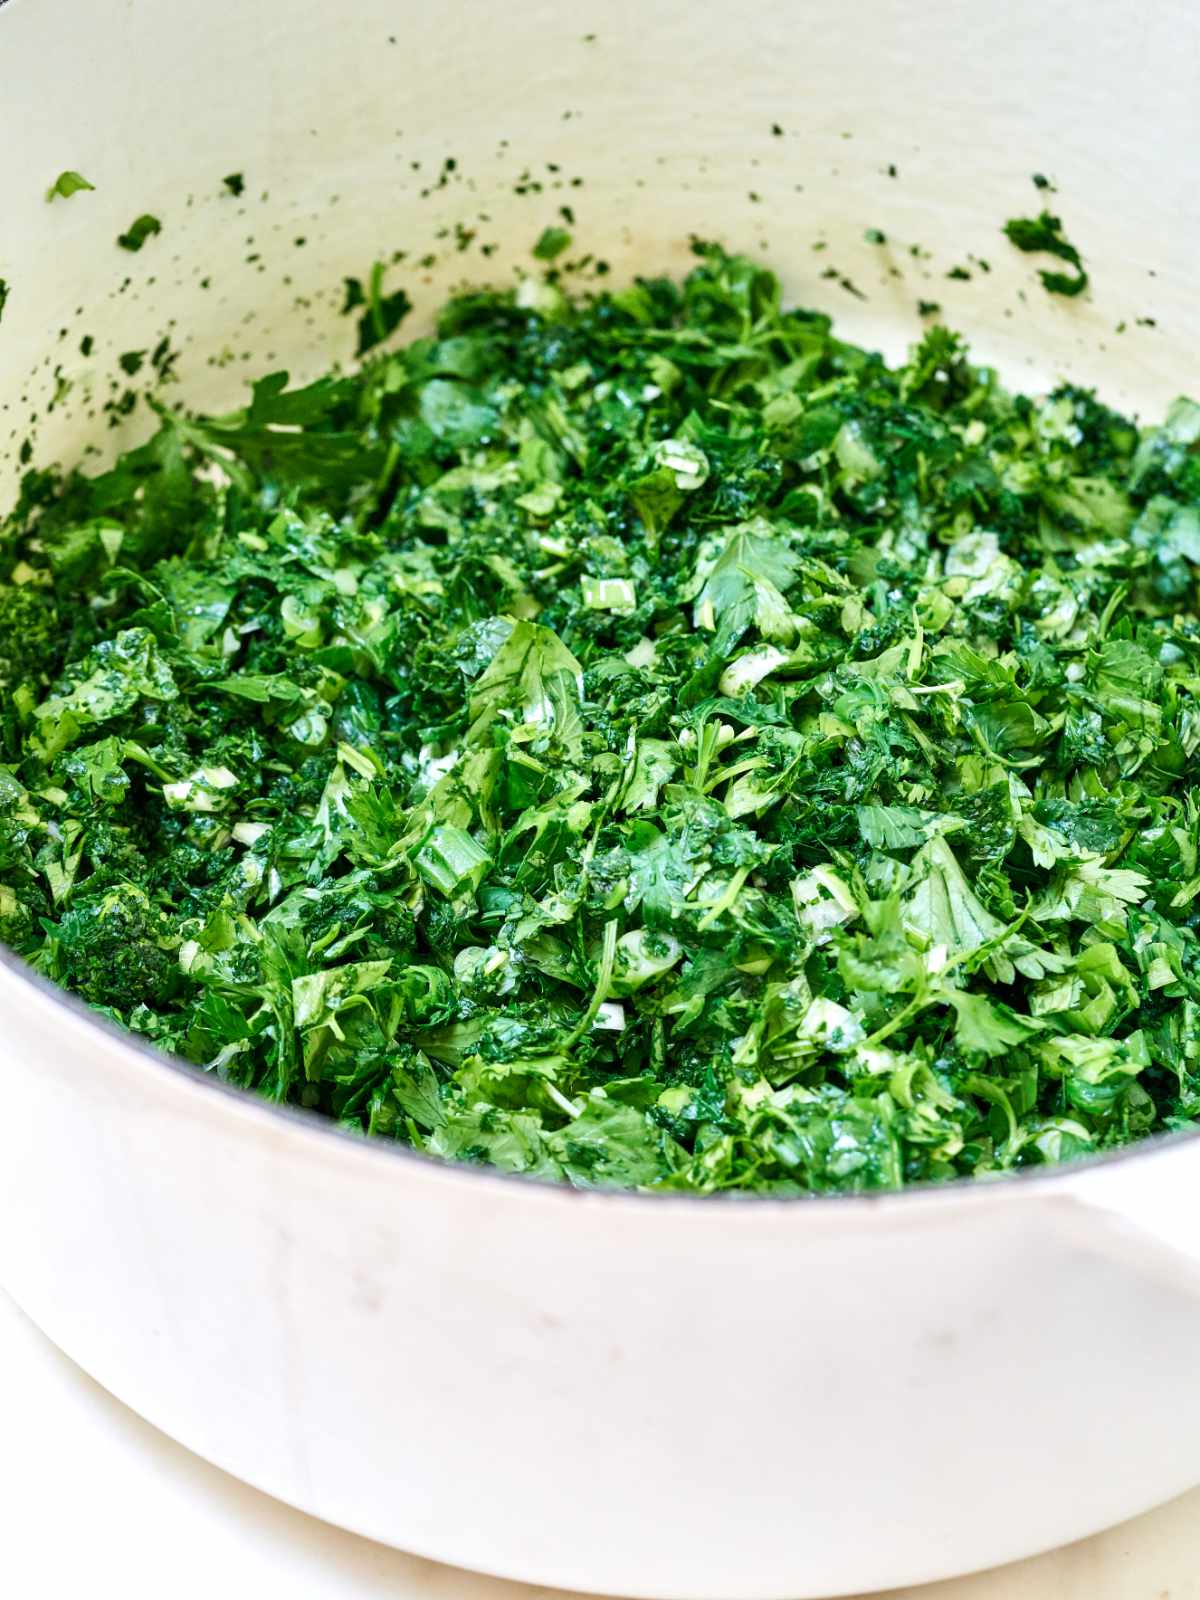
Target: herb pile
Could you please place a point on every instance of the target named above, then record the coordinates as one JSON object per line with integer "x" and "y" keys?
{"x": 641, "y": 741}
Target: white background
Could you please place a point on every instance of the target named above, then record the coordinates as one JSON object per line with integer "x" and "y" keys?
{"x": 95, "y": 1500}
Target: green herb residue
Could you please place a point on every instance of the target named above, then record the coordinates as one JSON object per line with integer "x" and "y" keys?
{"x": 1044, "y": 234}
{"x": 141, "y": 229}
{"x": 384, "y": 312}
{"x": 67, "y": 184}
{"x": 551, "y": 244}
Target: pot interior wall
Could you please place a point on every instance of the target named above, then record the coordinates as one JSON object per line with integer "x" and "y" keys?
{"x": 457, "y": 134}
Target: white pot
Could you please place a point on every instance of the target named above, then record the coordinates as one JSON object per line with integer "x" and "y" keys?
{"x": 648, "y": 1396}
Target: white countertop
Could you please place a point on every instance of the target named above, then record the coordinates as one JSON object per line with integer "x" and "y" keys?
{"x": 88, "y": 1488}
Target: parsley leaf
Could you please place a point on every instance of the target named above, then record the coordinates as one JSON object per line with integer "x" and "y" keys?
{"x": 67, "y": 184}
{"x": 1044, "y": 234}
{"x": 383, "y": 314}
{"x": 551, "y": 243}
{"x": 141, "y": 229}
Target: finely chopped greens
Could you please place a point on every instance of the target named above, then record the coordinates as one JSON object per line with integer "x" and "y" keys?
{"x": 1044, "y": 234}
{"x": 640, "y": 741}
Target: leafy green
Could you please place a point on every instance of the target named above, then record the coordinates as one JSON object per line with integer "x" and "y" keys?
{"x": 140, "y": 229}
{"x": 639, "y": 740}
{"x": 384, "y": 312}
{"x": 552, "y": 243}
{"x": 67, "y": 184}
{"x": 1044, "y": 234}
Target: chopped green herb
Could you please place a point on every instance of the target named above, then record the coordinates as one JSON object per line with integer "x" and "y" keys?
{"x": 235, "y": 183}
{"x": 639, "y": 740}
{"x": 141, "y": 229}
{"x": 67, "y": 184}
{"x": 552, "y": 243}
{"x": 1044, "y": 234}
{"x": 5, "y": 291}
{"x": 384, "y": 312}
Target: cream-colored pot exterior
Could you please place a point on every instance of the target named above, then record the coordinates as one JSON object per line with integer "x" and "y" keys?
{"x": 650, "y": 1397}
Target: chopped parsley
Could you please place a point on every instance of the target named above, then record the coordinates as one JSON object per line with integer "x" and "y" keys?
{"x": 551, "y": 244}
{"x": 141, "y": 229}
{"x": 640, "y": 740}
{"x": 67, "y": 184}
{"x": 384, "y": 312}
{"x": 1044, "y": 234}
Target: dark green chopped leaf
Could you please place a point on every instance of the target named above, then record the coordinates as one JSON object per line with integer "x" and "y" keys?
{"x": 235, "y": 183}
{"x": 635, "y": 741}
{"x": 384, "y": 312}
{"x": 1044, "y": 234}
{"x": 140, "y": 229}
